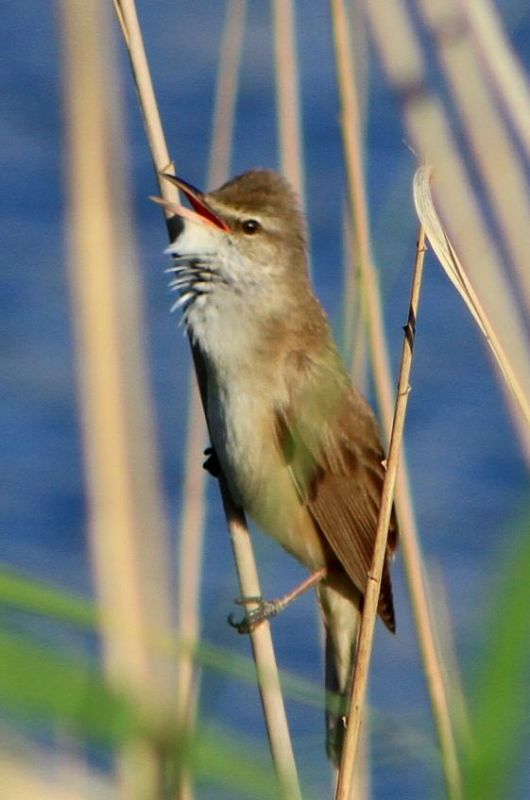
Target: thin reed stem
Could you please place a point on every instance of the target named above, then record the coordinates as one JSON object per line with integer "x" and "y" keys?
{"x": 191, "y": 527}
{"x": 503, "y": 177}
{"x": 501, "y": 63}
{"x": 127, "y": 529}
{"x": 226, "y": 93}
{"x": 270, "y": 690}
{"x": 287, "y": 95}
{"x": 384, "y": 390}
{"x": 190, "y": 553}
{"x": 429, "y": 132}
{"x": 371, "y": 597}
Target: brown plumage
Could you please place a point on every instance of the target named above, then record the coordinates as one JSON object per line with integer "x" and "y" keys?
{"x": 297, "y": 443}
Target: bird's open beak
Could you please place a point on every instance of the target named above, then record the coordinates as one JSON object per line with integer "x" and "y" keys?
{"x": 201, "y": 210}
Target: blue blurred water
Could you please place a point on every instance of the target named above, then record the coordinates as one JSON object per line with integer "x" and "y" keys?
{"x": 468, "y": 476}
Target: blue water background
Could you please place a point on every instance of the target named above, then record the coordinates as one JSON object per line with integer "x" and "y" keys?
{"x": 468, "y": 477}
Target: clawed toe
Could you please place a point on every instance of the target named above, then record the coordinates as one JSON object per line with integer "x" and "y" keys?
{"x": 265, "y": 609}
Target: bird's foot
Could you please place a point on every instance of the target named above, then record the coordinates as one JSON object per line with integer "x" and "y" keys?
{"x": 265, "y": 609}
{"x": 211, "y": 464}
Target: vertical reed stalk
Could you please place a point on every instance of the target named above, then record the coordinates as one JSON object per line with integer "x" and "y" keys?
{"x": 287, "y": 94}
{"x": 383, "y": 383}
{"x": 502, "y": 65}
{"x": 191, "y": 528}
{"x": 504, "y": 176}
{"x": 429, "y": 132}
{"x": 268, "y": 678}
{"x": 226, "y": 93}
{"x": 128, "y": 536}
{"x": 371, "y": 598}
{"x": 190, "y": 552}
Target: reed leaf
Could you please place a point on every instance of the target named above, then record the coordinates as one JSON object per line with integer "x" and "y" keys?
{"x": 456, "y": 273}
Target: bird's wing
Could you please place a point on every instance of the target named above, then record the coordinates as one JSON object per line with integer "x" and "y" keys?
{"x": 329, "y": 438}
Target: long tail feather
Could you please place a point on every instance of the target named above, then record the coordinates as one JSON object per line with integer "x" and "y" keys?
{"x": 340, "y": 602}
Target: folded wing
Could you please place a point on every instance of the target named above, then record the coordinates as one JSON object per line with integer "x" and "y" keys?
{"x": 329, "y": 438}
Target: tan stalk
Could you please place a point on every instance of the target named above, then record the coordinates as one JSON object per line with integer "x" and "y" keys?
{"x": 127, "y": 530}
{"x": 501, "y": 63}
{"x": 430, "y": 134}
{"x": 190, "y": 552}
{"x": 503, "y": 176}
{"x": 287, "y": 94}
{"x": 384, "y": 389}
{"x": 226, "y": 93}
{"x": 355, "y": 340}
{"x": 371, "y": 598}
{"x": 191, "y": 526}
{"x": 445, "y": 630}
{"x": 268, "y": 678}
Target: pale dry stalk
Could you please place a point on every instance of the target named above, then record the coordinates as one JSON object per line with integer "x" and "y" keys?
{"x": 501, "y": 63}
{"x": 430, "y": 133}
{"x": 268, "y": 678}
{"x": 384, "y": 390}
{"x": 191, "y": 524}
{"x": 498, "y": 162}
{"x": 127, "y": 530}
{"x": 371, "y": 598}
{"x": 287, "y": 94}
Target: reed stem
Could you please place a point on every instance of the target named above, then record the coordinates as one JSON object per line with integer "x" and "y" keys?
{"x": 269, "y": 687}
{"x": 383, "y": 384}
{"x": 371, "y": 597}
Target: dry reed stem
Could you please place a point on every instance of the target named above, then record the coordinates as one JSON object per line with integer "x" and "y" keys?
{"x": 128, "y": 537}
{"x": 190, "y": 551}
{"x": 501, "y": 63}
{"x": 503, "y": 175}
{"x": 191, "y": 527}
{"x": 447, "y": 646}
{"x": 117, "y": 423}
{"x": 287, "y": 95}
{"x": 448, "y": 258}
{"x": 429, "y": 132}
{"x": 263, "y": 651}
{"x": 383, "y": 383}
{"x": 371, "y": 598}
{"x": 350, "y": 128}
{"x": 226, "y": 93}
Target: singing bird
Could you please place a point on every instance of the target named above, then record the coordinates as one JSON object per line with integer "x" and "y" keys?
{"x": 297, "y": 443}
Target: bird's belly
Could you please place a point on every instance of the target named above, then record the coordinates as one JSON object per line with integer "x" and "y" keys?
{"x": 259, "y": 481}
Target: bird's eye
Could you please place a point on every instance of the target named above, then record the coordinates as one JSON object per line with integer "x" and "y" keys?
{"x": 251, "y": 226}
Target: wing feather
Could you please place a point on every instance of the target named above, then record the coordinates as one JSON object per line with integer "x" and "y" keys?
{"x": 329, "y": 438}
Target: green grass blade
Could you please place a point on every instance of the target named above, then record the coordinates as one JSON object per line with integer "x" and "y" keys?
{"x": 500, "y": 694}
{"x": 28, "y": 594}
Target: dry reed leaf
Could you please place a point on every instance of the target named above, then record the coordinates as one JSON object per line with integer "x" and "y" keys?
{"x": 456, "y": 273}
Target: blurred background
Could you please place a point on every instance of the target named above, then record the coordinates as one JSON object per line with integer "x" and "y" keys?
{"x": 466, "y": 461}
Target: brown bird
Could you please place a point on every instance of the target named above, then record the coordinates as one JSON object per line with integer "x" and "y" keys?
{"x": 297, "y": 443}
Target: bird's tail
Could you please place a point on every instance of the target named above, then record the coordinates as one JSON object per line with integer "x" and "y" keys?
{"x": 341, "y": 603}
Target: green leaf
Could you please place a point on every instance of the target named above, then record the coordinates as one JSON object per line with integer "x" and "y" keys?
{"x": 37, "y": 684}
{"x": 500, "y": 692}
{"x": 34, "y": 596}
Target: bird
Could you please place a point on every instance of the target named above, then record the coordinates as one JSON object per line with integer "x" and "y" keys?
{"x": 297, "y": 443}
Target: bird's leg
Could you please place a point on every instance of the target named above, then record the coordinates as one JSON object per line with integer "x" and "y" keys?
{"x": 211, "y": 464}
{"x": 265, "y": 609}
